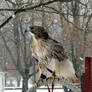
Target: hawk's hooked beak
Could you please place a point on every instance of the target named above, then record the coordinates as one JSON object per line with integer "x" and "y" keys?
{"x": 30, "y": 29}
{"x": 30, "y": 32}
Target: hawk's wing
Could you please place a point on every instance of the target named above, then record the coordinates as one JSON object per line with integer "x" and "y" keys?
{"x": 57, "y": 51}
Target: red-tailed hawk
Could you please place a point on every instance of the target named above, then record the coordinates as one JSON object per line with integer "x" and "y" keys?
{"x": 51, "y": 55}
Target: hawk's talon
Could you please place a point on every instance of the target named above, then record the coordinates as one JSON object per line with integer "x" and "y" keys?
{"x": 38, "y": 81}
{"x": 42, "y": 77}
{"x": 52, "y": 78}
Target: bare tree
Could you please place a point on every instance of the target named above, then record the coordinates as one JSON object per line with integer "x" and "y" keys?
{"x": 71, "y": 24}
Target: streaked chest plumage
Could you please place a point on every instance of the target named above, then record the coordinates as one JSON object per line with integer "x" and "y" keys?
{"x": 40, "y": 48}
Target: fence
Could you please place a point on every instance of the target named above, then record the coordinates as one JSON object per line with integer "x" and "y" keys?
{"x": 2, "y": 82}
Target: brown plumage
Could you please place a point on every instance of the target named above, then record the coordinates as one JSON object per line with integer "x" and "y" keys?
{"x": 51, "y": 54}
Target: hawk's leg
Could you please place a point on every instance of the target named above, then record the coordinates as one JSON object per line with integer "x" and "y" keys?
{"x": 42, "y": 77}
{"x": 42, "y": 68}
{"x": 53, "y": 77}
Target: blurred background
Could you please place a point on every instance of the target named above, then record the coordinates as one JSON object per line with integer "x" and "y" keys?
{"x": 67, "y": 22}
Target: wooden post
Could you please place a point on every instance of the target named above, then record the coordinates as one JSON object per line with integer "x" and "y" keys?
{"x": 88, "y": 74}
{"x": 83, "y": 82}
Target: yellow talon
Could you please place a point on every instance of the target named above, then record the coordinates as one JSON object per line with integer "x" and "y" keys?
{"x": 52, "y": 78}
{"x": 39, "y": 80}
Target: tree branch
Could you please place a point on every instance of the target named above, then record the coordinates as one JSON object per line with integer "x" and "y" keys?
{"x": 32, "y": 7}
{"x": 33, "y": 73}
{"x": 25, "y": 9}
{"x": 11, "y": 55}
{"x": 47, "y": 11}
{"x": 10, "y": 2}
{"x": 58, "y": 12}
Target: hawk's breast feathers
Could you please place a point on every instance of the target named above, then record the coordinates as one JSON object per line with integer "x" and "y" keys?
{"x": 48, "y": 48}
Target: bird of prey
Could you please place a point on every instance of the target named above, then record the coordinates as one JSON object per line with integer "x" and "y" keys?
{"x": 51, "y": 55}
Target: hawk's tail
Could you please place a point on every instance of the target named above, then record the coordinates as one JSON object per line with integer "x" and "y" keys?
{"x": 68, "y": 71}
{"x": 76, "y": 79}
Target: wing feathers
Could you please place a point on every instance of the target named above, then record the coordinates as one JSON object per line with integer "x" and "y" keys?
{"x": 57, "y": 51}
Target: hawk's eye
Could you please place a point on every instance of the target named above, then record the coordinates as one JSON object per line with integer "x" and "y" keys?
{"x": 45, "y": 35}
{"x": 32, "y": 30}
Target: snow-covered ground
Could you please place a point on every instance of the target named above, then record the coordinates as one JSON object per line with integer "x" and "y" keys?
{"x": 55, "y": 90}
{"x": 41, "y": 89}
{"x": 12, "y": 91}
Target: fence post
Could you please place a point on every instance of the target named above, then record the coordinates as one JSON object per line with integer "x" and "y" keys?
{"x": 2, "y": 82}
{"x": 83, "y": 82}
{"x": 88, "y": 74}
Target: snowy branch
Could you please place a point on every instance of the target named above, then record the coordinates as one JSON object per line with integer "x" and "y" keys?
{"x": 10, "y": 2}
{"x": 58, "y": 12}
{"x": 64, "y": 82}
{"x": 26, "y": 9}
{"x": 11, "y": 55}
{"x": 36, "y": 6}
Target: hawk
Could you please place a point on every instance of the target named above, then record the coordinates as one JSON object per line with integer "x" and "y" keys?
{"x": 51, "y": 55}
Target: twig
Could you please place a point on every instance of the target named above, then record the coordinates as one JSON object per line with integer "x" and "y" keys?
{"x": 30, "y": 8}
{"x": 89, "y": 19}
{"x": 10, "y": 2}
{"x": 36, "y": 6}
{"x": 46, "y": 11}
{"x": 58, "y": 12}
{"x": 11, "y": 55}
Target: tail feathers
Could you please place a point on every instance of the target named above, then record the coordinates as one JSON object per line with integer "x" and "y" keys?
{"x": 76, "y": 81}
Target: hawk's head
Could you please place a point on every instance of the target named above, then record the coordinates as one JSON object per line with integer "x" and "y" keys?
{"x": 38, "y": 32}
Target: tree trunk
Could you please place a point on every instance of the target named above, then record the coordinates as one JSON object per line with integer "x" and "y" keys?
{"x": 76, "y": 38}
{"x": 34, "y": 68}
{"x": 18, "y": 80}
{"x": 25, "y": 84}
{"x": 73, "y": 54}
{"x": 66, "y": 89}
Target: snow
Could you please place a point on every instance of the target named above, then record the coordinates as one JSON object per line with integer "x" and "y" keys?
{"x": 12, "y": 91}
{"x": 55, "y": 20}
{"x": 39, "y": 90}
{"x": 55, "y": 90}
{"x": 81, "y": 59}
